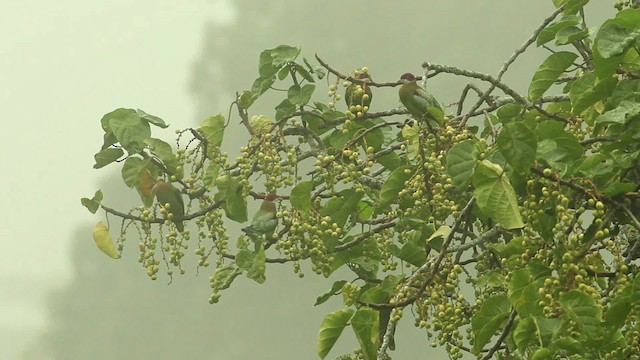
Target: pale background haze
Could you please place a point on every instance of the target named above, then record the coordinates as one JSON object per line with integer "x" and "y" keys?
{"x": 66, "y": 63}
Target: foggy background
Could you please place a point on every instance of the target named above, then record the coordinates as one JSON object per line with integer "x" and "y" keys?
{"x": 66, "y": 63}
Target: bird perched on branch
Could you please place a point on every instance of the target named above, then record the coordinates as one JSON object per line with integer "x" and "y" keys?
{"x": 420, "y": 103}
{"x": 264, "y": 221}
{"x": 167, "y": 194}
{"x": 359, "y": 94}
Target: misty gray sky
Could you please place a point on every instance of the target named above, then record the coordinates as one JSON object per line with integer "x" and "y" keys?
{"x": 63, "y": 64}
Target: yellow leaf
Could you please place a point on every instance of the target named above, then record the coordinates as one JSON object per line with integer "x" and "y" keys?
{"x": 104, "y": 241}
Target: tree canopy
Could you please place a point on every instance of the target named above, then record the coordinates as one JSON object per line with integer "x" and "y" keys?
{"x": 505, "y": 224}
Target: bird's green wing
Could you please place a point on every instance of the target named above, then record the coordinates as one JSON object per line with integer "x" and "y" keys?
{"x": 429, "y": 102}
{"x": 168, "y": 193}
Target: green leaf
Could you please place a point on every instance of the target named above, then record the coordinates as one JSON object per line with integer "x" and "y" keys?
{"x": 116, "y": 114}
{"x": 548, "y": 73}
{"x": 92, "y": 204}
{"x": 495, "y": 195}
{"x": 106, "y": 157}
{"x": 343, "y": 207}
{"x": 109, "y": 139}
{"x": 489, "y": 320}
{"x": 317, "y": 70}
{"x": 213, "y": 129}
{"x": 285, "y": 108}
{"x": 284, "y": 54}
{"x": 461, "y": 162}
{"x": 337, "y": 139}
{"x": 253, "y": 263}
{"x": 629, "y": 18}
{"x": 567, "y": 345}
{"x": 300, "y": 95}
{"x": 508, "y": 112}
{"x": 141, "y": 175}
{"x": 614, "y": 40}
{"x": 518, "y": 146}
{"x": 538, "y": 269}
{"x": 381, "y": 293}
{"x": 235, "y": 206}
{"x": 491, "y": 279}
{"x": 165, "y": 153}
{"x": 598, "y": 168}
{"x": 549, "y": 33}
{"x": 611, "y": 340}
{"x": 523, "y": 292}
{"x": 130, "y": 130}
{"x": 573, "y": 6}
{"x": 583, "y": 310}
{"x": 413, "y": 251}
{"x": 259, "y": 87}
{"x": 622, "y": 304}
{"x": 625, "y": 111}
{"x": 557, "y": 147}
{"x": 246, "y": 99}
{"x": 618, "y": 311}
{"x": 266, "y": 68}
{"x": 374, "y": 138}
{"x": 131, "y": 171}
{"x": 437, "y": 238}
{"x": 301, "y": 196}
{"x": 524, "y": 333}
{"x": 605, "y": 67}
{"x": 512, "y": 248}
{"x": 619, "y": 188}
{"x": 224, "y": 276}
{"x": 390, "y": 161}
{"x": 365, "y": 210}
{"x": 393, "y": 185}
{"x": 283, "y": 72}
{"x": 211, "y": 174}
{"x": 587, "y": 90}
{"x": 154, "y": 120}
{"x": 300, "y": 70}
{"x": 626, "y": 89}
{"x": 541, "y": 354}
{"x": 330, "y": 330}
{"x": 570, "y": 34}
{"x": 547, "y": 329}
{"x": 365, "y": 326}
{"x": 335, "y": 290}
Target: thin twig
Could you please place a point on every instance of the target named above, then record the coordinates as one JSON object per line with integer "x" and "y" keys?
{"x": 503, "y": 336}
{"x": 508, "y": 63}
{"x": 369, "y": 82}
{"x": 435, "y": 265}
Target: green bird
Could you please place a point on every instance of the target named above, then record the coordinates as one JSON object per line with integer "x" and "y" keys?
{"x": 419, "y": 102}
{"x": 359, "y": 94}
{"x": 167, "y": 194}
{"x": 264, "y": 222}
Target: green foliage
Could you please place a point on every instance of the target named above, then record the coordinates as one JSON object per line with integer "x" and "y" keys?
{"x": 533, "y": 212}
{"x": 93, "y": 204}
{"x": 550, "y": 70}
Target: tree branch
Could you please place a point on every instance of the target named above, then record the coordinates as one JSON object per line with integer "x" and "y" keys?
{"x": 503, "y": 336}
